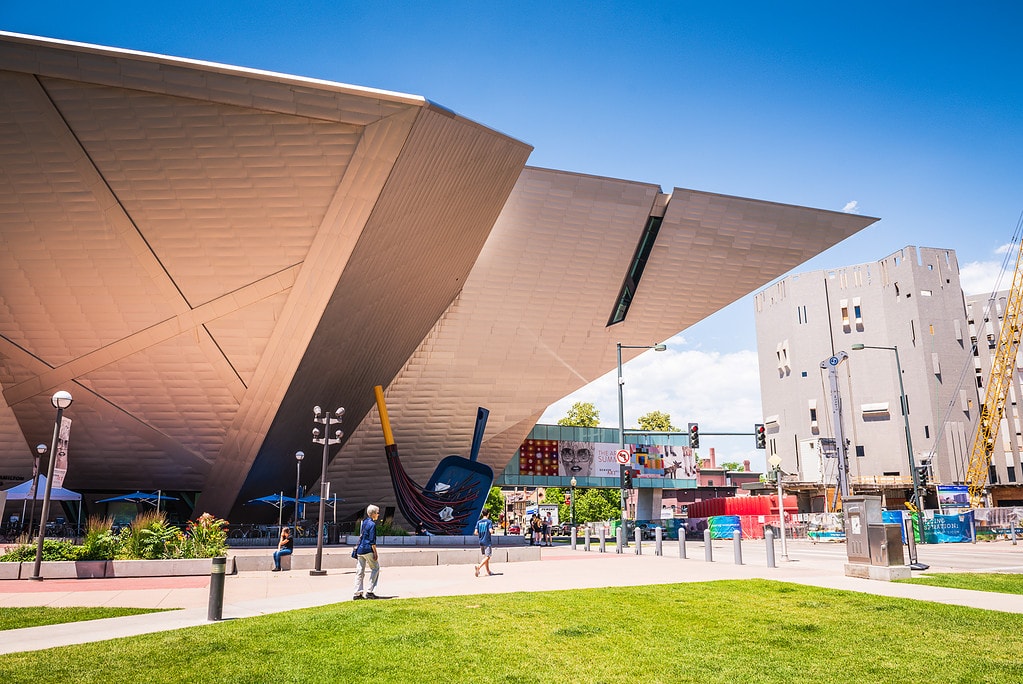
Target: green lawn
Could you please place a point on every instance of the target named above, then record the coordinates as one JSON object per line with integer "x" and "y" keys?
{"x": 16, "y": 618}
{"x": 726, "y": 631}
{"x": 1002, "y": 583}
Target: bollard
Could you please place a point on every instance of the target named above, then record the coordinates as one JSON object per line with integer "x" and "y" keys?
{"x": 638, "y": 534}
{"x": 658, "y": 551}
{"x": 603, "y": 541}
{"x": 573, "y": 537}
{"x": 708, "y": 551}
{"x": 769, "y": 541}
{"x": 586, "y": 535}
{"x": 218, "y": 573}
{"x": 1012, "y": 522}
{"x": 619, "y": 540}
{"x": 737, "y": 546}
{"x": 681, "y": 542}
{"x": 973, "y": 529}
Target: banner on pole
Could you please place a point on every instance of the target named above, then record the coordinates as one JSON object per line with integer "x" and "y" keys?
{"x": 60, "y": 465}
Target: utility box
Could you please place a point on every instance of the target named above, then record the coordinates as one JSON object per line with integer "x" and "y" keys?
{"x": 885, "y": 543}
{"x": 860, "y": 513}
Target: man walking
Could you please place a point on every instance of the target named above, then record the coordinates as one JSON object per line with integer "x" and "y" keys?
{"x": 484, "y": 529}
{"x": 366, "y": 555}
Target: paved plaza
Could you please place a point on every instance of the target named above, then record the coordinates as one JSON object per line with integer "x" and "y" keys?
{"x": 253, "y": 593}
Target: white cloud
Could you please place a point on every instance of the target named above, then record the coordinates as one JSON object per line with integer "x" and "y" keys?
{"x": 851, "y": 207}
{"x": 721, "y": 392}
{"x": 986, "y": 277}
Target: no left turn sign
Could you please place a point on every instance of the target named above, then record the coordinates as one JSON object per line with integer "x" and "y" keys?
{"x": 623, "y": 456}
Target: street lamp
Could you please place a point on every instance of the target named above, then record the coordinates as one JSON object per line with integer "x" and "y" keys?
{"x": 61, "y": 400}
{"x": 572, "y": 502}
{"x": 326, "y": 420}
{"x": 917, "y": 500}
{"x": 621, "y": 430}
{"x": 40, "y": 450}
{"x": 775, "y": 462}
{"x": 299, "y": 455}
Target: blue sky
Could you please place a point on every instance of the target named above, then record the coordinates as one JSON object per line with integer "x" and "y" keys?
{"x": 910, "y": 112}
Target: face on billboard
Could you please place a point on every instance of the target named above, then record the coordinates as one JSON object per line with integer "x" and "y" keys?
{"x": 576, "y": 459}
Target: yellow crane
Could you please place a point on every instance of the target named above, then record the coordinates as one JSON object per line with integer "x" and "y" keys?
{"x": 1000, "y": 378}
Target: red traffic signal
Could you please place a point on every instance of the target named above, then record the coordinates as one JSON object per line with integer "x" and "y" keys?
{"x": 694, "y": 435}
{"x": 761, "y": 434}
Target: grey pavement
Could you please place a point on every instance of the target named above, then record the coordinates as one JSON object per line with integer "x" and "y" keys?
{"x": 253, "y": 593}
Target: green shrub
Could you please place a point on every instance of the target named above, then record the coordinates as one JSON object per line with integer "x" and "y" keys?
{"x": 206, "y": 537}
{"x": 99, "y": 543}
{"x": 53, "y": 550}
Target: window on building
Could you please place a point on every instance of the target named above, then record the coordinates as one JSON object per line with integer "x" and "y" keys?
{"x": 927, "y": 431}
{"x": 859, "y": 451}
{"x": 992, "y": 475}
{"x": 639, "y": 259}
{"x": 1012, "y": 473}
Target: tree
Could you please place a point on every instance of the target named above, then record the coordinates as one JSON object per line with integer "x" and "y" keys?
{"x": 495, "y": 504}
{"x": 582, "y": 414}
{"x": 655, "y": 421}
{"x": 731, "y": 465}
{"x": 592, "y": 505}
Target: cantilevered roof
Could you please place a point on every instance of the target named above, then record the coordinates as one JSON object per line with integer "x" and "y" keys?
{"x": 200, "y": 254}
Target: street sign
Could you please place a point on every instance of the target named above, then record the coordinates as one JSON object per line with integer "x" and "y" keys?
{"x": 623, "y": 456}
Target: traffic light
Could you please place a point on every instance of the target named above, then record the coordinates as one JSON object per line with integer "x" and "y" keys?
{"x": 761, "y": 435}
{"x": 921, "y": 474}
{"x": 627, "y": 478}
{"x": 694, "y": 435}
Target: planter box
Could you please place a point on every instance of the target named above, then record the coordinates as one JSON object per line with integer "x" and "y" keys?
{"x": 10, "y": 571}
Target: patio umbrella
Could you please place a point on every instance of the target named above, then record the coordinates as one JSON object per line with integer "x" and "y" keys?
{"x": 276, "y": 500}
{"x": 136, "y": 498}
{"x": 330, "y": 501}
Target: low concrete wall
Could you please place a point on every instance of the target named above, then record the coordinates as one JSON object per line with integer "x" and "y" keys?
{"x": 65, "y": 569}
{"x": 161, "y": 568}
{"x": 446, "y": 540}
{"x": 10, "y": 571}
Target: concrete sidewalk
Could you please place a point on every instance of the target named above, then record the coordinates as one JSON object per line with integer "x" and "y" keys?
{"x": 258, "y": 593}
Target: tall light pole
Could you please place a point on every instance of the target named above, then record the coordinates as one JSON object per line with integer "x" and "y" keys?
{"x": 40, "y": 450}
{"x": 775, "y": 462}
{"x": 572, "y": 502}
{"x": 621, "y": 431}
{"x": 299, "y": 455}
{"x": 326, "y": 420}
{"x": 61, "y": 400}
{"x": 917, "y": 500}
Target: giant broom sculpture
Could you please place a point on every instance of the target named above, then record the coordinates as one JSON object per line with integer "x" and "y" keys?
{"x": 452, "y": 499}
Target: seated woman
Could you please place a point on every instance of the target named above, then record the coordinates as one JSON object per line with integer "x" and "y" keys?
{"x": 284, "y": 548}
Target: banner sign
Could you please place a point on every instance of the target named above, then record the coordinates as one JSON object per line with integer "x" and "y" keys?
{"x": 948, "y": 528}
{"x": 722, "y": 526}
{"x": 953, "y": 496}
{"x": 566, "y": 458}
{"x": 60, "y": 465}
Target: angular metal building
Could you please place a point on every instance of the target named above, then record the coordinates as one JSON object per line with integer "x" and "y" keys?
{"x": 202, "y": 253}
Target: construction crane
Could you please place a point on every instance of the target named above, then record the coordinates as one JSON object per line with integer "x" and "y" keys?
{"x": 1003, "y": 366}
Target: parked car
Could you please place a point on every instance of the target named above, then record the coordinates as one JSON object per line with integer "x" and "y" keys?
{"x": 514, "y": 529}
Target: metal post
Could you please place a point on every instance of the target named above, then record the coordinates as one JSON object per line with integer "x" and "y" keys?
{"x": 299, "y": 455}
{"x": 621, "y": 445}
{"x": 573, "y": 537}
{"x": 586, "y": 534}
{"x": 769, "y": 542}
{"x": 218, "y": 574}
{"x": 639, "y": 541}
{"x": 737, "y": 546}
{"x": 708, "y": 550}
{"x": 681, "y": 543}
{"x": 618, "y": 540}
{"x": 781, "y": 519}
{"x": 327, "y": 441}
{"x": 603, "y": 541}
{"x": 658, "y": 535}
{"x": 61, "y": 400}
